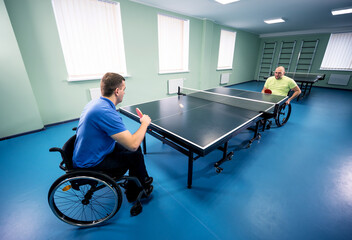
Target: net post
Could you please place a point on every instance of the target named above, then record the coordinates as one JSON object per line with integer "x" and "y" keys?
{"x": 179, "y": 91}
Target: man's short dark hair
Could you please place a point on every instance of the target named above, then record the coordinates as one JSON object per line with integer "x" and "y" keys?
{"x": 109, "y": 83}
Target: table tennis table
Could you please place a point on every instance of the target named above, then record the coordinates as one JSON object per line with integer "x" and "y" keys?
{"x": 306, "y": 79}
{"x": 196, "y": 122}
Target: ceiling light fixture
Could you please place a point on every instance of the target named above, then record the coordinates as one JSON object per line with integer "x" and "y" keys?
{"x": 341, "y": 11}
{"x": 276, "y": 20}
{"x": 226, "y": 1}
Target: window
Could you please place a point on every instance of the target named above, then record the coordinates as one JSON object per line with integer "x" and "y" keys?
{"x": 338, "y": 53}
{"x": 226, "y": 49}
{"x": 91, "y": 37}
{"x": 173, "y": 36}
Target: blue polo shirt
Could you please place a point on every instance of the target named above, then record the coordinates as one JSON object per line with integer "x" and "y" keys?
{"x": 99, "y": 120}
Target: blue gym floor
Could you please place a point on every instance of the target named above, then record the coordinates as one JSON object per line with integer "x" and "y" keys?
{"x": 295, "y": 183}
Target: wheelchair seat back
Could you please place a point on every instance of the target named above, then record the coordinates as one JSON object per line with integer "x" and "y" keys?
{"x": 68, "y": 150}
{"x": 66, "y": 153}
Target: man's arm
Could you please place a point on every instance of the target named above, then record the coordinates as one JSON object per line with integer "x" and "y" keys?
{"x": 265, "y": 84}
{"x": 132, "y": 141}
{"x": 296, "y": 92}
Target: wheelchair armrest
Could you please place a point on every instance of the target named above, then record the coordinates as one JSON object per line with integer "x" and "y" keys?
{"x": 55, "y": 149}
{"x": 63, "y": 166}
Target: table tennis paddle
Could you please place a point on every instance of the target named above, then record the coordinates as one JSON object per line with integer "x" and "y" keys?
{"x": 268, "y": 91}
{"x": 139, "y": 112}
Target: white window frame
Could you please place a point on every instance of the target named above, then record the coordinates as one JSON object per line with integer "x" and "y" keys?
{"x": 173, "y": 43}
{"x": 226, "y": 49}
{"x": 338, "y": 53}
{"x": 91, "y": 37}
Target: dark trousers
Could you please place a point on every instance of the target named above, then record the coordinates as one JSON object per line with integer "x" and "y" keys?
{"x": 120, "y": 160}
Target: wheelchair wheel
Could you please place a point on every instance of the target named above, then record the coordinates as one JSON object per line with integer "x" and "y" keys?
{"x": 84, "y": 198}
{"x": 283, "y": 114}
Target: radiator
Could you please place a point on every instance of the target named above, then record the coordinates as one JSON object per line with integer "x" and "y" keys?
{"x": 173, "y": 85}
{"x": 224, "y": 78}
{"x": 339, "y": 79}
{"x": 94, "y": 93}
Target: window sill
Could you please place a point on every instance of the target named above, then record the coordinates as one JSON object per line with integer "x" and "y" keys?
{"x": 223, "y": 69}
{"x": 89, "y": 78}
{"x": 172, "y": 72}
{"x": 335, "y": 69}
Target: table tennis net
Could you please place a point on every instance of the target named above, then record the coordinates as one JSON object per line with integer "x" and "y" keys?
{"x": 245, "y": 103}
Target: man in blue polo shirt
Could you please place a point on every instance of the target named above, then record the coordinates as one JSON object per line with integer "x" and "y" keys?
{"x": 103, "y": 142}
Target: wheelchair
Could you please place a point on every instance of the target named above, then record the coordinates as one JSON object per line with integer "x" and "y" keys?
{"x": 279, "y": 115}
{"x": 87, "y": 198}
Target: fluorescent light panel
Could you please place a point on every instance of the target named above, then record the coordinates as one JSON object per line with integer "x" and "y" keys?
{"x": 341, "y": 11}
{"x": 226, "y": 1}
{"x": 276, "y": 20}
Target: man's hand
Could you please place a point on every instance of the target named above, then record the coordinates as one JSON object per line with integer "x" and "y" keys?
{"x": 132, "y": 141}
{"x": 145, "y": 119}
{"x": 296, "y": 92}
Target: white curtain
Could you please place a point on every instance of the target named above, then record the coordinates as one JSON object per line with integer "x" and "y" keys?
{"x": 226, "y": 49}
{"x": 91, "y": 37}
{"x": 338, "y": 54}
{"x": 173, "y": 37}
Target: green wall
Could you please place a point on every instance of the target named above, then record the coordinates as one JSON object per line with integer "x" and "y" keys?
{"x": 57, "y": 100}
{"x": 18, "y": 107}
{"x": 323, "y": 41}
{"x": 34, "y": 90}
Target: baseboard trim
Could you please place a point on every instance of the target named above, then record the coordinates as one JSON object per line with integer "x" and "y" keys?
{"x": 241, "y": 83}
{"x": 327, "y": 87}
{"x": 58, "y": 123}
{"x": 22, "y": 134}
{"x": 38, "y": 130}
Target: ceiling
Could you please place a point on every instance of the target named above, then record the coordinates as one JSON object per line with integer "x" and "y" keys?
{"x": 302, "y": 16}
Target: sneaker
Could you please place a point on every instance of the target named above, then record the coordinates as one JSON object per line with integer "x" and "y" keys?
{"x": 132, "y": 195}
{"x": 148, "y": 191}
{"x": 148, "y": 181}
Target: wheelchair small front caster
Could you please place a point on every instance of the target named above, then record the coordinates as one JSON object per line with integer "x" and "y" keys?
{"x": 136, "y": 209}
{"x": 219, "y": 169}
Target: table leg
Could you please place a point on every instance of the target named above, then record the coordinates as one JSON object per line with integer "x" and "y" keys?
{"x": 256, "y": 136}
{"x": 310, "y": 88}
{"x": 190, "y": 169}
{"x": 225, "y": 157}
